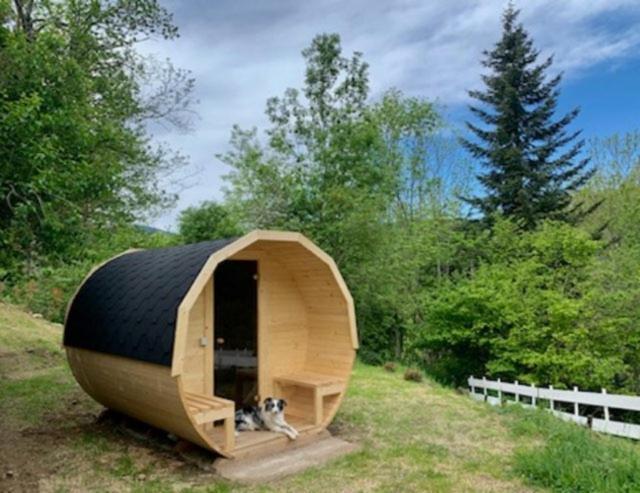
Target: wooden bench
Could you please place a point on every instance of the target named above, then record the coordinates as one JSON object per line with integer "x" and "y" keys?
{"x": 207, "y": 409}
{"x": 321, "y": 385}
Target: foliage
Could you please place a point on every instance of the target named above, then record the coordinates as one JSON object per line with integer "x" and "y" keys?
{"x": 75, "y": 157}
{"x": 208, "y": 221}
{"x": 342, "y": 170}
{"x": 526, "y": 313}
{"x": 530, "y": 172}
{"x": 48, "y": 289}
{"x": 315, "y": 172}
{"x": 615, "y": 281}
{"x": 616, "y": 187}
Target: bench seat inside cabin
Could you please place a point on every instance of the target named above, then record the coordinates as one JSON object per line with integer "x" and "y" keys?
{"x": 309, "y": 394}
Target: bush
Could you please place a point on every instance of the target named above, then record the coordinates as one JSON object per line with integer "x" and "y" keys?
{"x": 524, "y": 314}
{"x": 390, "y": 366}
{"x": 207, "y": 221}
{"x": 413, "y": 375}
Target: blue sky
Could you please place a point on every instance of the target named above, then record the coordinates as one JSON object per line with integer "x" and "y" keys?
{"x": 242, "y": 52}
{"x": 609, "y": 97}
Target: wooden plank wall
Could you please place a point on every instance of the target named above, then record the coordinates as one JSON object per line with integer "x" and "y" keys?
{"x": 282, "y": 324}
{"x": 303, "y": 324}
{"x": 329, "y": 348}
{"x": 142, "y": 390}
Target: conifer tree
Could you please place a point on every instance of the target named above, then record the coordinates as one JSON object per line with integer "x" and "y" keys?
{"x": 532, "y": 162}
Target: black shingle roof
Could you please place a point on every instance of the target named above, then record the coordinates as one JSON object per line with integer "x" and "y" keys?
{"x": 128, "y": 307}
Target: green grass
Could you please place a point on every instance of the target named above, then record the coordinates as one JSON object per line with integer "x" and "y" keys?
{"x": 414, "y": 437}
{"x": 567, "y": 458}
{"x": 28, "y": 400}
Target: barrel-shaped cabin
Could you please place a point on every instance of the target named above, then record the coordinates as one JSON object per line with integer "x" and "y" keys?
{"x": 181, "y": 337}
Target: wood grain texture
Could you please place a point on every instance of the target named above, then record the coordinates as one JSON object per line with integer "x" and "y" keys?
{"x": 307, "y": 339}
{"x": 142, "y": 390}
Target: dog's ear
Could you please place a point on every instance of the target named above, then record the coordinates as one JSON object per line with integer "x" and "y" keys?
{"x": 284, "y": 403}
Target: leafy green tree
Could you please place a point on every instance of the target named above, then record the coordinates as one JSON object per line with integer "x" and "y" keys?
{"x": 316, "y": 171}
{"x": 615, "y": 187}
{"x": 208, "y": 221}
{"x": 349, "y": 173}
{"x": 74, "y": 153}
{"x": 48, "y": 289}
{"x": 615, "y": 282}
{"x": 526, "y": 312}
{"x": 533, "y": 162}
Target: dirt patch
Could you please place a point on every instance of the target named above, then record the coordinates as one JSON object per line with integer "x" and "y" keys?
{"x": 107, "y": 448}
{"x": 31, "y": 454}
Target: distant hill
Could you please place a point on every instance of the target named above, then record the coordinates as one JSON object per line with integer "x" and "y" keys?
{"x": 151, "y": 230}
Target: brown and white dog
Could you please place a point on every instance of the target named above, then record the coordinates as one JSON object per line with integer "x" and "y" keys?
{"x": 268, "y": 416}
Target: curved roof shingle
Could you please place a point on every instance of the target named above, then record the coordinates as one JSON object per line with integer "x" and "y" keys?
{"x": 128, "y": 307}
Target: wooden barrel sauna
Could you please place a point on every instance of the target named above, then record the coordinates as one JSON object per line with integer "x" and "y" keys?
{"x": 179, "y": 337}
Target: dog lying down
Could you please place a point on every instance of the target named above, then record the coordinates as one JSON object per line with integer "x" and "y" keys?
{"x": 268, "y": 416}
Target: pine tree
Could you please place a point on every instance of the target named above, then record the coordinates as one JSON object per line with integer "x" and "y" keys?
{"x": 532, "y": 161}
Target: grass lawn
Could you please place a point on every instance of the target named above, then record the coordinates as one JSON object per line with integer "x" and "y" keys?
{"x": 415, "y": 437}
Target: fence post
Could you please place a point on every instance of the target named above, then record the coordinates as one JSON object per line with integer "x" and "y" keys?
{"x": 551, "y": 399}
{"x": 576, "y": 406}
{"x": 484, "y": 388}
{"x": 517, "y": 396}
{"x": 499, "y": 392}
{"x": 473, "y": 387}
{"x": 606, "y": 408}
{"x": 533, "y": 395}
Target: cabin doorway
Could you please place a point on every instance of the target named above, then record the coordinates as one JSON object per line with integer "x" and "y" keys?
{"x": 236, "y": 331}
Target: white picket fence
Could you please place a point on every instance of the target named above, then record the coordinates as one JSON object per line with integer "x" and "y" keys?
{"x": 575, "y": 397}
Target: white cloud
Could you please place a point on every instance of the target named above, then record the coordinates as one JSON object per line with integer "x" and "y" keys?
{"x": 243, "y": 52}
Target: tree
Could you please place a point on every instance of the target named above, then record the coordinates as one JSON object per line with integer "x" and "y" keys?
{"x": 533, "y": 161}
{"x": 616, "y": 186}
{"x": 75, "y": 156}
{"x": 208, "y": 221}
{"x": 317, "y": 171}
{"x": 527, "y": 312}
{"x": 353, "y": 175}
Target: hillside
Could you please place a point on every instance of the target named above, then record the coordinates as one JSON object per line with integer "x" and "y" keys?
{"x": 415, "y": 437}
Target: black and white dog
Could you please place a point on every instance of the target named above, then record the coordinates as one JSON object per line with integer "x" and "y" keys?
{"x": 268, "y": 416}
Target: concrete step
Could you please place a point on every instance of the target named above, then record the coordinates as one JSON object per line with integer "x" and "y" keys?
{"x": 274, "y": 466}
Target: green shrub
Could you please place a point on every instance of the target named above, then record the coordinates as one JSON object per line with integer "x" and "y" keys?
{"x": 390, "y": 366}
{"x": 413, "y": 375}
{"x": 526, "y": 314}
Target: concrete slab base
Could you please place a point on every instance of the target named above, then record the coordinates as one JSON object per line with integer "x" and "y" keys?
{"x": 283, "y": 463}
